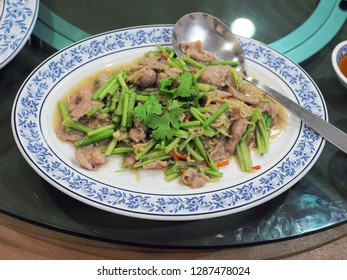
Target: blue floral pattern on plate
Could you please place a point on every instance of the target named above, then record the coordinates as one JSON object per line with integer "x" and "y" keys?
{"x": 17, "y": 20}
{"x": 341, "y": 53}
{"x": 31, "y": 142}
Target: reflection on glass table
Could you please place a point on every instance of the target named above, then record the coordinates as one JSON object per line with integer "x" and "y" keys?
{"x": 301, "y": 29}
{"x": 318, "y": 201}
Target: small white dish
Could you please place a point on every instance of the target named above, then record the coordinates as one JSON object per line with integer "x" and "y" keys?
{"x": 338, "y": 53}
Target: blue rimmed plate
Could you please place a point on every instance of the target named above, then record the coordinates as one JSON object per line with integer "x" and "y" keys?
{"x": 148, "y": 195}
{"x": 17, "y": 20}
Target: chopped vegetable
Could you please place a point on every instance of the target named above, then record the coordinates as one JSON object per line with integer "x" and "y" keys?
{"x": 222, "y": 163}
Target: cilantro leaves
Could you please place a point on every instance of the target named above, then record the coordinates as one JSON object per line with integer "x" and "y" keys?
{"x": 151, "y": 108}
{"x": 162, "y": 126}
{"x": 187, "y": 86}
{"x": 163, "y": 118}
{"x": 162, "y": 122}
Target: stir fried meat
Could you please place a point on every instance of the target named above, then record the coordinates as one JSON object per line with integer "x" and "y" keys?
{"x": 129, "y": 160}
{"x": 90, "y": 157}
{"x": 158, "y": 164}
{"x": 219, "y": 152}
{"x": 145, "y": 77}
{"x": 247, "y": 98}
{"x": 219, "y": 75}
{"x": 154, "y": 62}
{"x": 138, "y": 133}
{"x": 237, "y": 129}
{"x": 162, "y": 115}
{"x": 193, "y": 178}
{"x": 72, "y": 136}
{"x": 196, "y": 51}
{"x": 81, "y": 103}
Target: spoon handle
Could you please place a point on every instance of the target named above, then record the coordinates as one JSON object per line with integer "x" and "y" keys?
{"x": 325, "y": 129}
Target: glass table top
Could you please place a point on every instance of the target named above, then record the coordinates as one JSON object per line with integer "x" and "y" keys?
{"x": 115, "y": 17}
{"x": 316, "y": 202}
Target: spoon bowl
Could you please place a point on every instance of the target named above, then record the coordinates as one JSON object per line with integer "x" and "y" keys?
{"x": 217, "y": 38}
{"x": 214, "y": 35}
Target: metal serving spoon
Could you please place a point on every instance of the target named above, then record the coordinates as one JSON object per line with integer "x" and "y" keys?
{"x": 217, "y": 38}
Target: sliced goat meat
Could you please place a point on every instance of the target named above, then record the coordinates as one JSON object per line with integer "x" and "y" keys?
{"x": 219, "y": 152}
{"x": 144, "y": 77}
{"x": 173, "y": 72}
{"x": 154, "y": 62}
{"x": 79, "y": 104}
{"x": 137, "y": 135}
{"x": 192, "y": 178}
{"x": 217, "y": 75}
{"x": 237, "y": 129}
{"x": 271, "y": 108}
{"x": 73, "y": 136}
{"x": 140, "y": 125}
{"x": 75, "y": 99}
{"x": 138, "y": 132}
{"x": 90, "y": 157}
{"x": 129, "y": 161}
{"x": 218, "y": 94}
{"x": 169, "y": 72}
{"x": 158, "y": 164}
{"x": 249, "y": 99}
{"x": 196, "y": 51}
{"x": 148, "y": 78}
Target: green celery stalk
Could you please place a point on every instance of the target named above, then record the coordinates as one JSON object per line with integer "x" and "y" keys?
{"x": 254, "y": 118}
{"x": 103, "y": 90}
{"x": 197, "y": 115}
{"x": 216, "y": 114}
{"x": 192, "y": 62}
{"x": 125, "y": 108}
{"x": 238, "y": 82}
{"x": 131, "y": 106}
{"x": 142, "y": 163}
{"x": 149, "y": 146}
{"x": 194, "y": 154}
{"x": 64, "y": 113}
{"x": 173, "y": 176}
{"x": 243, "y": 156}
{"x": 213, "y": 173}
{"x": 224, "y": 62}
{"x": 172, "y": 145}
{"x": 100, "y": 129}
{"x": 122, "y": 150}
{"x": 68, "y": 122}
{"x": 122, "y": 81}
{"x": 94, "y": 139}
{"x": 110, "y": 147}
{"x": 262, "y": 136}
{"x": 190, "y": 124}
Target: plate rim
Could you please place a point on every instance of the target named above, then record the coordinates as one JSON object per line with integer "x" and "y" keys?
{"x": 154, "y": 215}
{"x": 29, "y": 23}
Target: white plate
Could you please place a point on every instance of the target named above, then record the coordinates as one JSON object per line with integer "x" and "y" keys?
{"x": 17, "y": 20}
{"x": 150, "y": 196}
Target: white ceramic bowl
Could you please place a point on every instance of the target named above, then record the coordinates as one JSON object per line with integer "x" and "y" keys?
{"x": 339, "y": 51}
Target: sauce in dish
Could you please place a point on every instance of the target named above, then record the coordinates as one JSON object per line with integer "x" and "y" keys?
{"x": 343, "y": 65}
